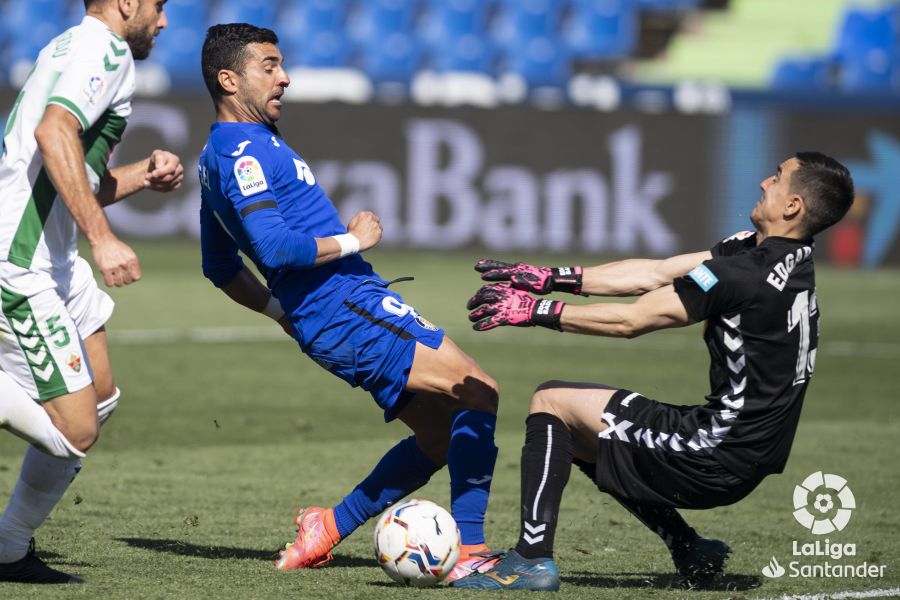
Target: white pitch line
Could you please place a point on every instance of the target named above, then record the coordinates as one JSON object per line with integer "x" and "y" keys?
{"x": 224, "y": 335}
{"x": 879, "y": 593}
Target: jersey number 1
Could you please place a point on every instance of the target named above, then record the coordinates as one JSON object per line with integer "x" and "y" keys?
{"x": 798, "y": 317}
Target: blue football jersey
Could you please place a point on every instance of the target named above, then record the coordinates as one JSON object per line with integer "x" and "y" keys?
{"x": 260, "y": 197}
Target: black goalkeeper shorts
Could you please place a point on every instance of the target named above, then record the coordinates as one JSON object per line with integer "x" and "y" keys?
{"x": 645, "y": 456}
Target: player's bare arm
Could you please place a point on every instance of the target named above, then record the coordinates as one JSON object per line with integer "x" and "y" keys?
{"x": 247, "y": 290}
{"x": 365, "y": 229}
{"x": 657, "y": 309}
{"x": 631, "y": 277}
{"x": 58, "y": 140}
{"x": 501, "y": 304}
{"x": 637, "y": 276}
{"x": 162, "y": 171}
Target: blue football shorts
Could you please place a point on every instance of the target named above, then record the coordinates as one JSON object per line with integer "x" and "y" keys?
{"x": 370, "y": 342}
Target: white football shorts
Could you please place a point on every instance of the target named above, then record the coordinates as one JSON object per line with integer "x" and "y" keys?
{"x": 44, "y": 319}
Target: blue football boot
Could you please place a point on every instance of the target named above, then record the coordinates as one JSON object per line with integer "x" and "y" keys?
{"x": 514, "y": 572}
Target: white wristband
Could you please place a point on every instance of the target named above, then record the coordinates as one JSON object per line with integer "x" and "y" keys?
{"x": 349, "y": 243}
{"x": 273, "y": 308}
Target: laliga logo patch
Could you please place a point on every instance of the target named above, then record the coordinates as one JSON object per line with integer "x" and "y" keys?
{"x": 823, "y": 503}
{"x": 249, "y": 175}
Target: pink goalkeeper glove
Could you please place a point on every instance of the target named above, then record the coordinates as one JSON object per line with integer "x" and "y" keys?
{"x": 501, "y": 304}
{"x": 538, "y": 280}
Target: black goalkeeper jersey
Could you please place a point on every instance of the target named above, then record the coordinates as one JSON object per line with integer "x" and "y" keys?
{"x": 762, "y": 329}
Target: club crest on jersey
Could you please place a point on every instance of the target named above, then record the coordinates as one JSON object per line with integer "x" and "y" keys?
{"x": 75, "y": 362}
{"x": 703, "y": 277}
{"x": 249, "y": 175}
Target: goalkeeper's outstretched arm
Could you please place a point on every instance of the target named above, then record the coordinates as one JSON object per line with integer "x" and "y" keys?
{"x": 632, "y": 277}
{"x": 658, "y": 309}
{"x": 637, "y": 276}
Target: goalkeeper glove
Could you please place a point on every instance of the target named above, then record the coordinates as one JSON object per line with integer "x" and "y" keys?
{"x": 501, "y": 304}
{"x": 538, "y": 280}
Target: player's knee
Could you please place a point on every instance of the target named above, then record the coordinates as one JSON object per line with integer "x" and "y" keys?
{"x": 478, "y": 391}
{"x": 545, "y": 398}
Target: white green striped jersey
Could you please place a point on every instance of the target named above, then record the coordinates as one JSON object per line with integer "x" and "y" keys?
{"x": 89, "y": 71}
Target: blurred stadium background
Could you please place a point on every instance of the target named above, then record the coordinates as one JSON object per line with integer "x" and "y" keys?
{"x": 594, "y": 126}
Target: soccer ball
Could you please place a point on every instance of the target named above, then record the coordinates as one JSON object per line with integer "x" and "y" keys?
{"x": 416, "y": 543}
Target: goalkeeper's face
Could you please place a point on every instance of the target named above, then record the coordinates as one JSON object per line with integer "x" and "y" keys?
{"x": 262, "y": 82}
{"x": 144, "y": 25}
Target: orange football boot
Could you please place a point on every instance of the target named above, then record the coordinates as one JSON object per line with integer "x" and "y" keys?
{"x": 317, "y": 534}
{"x": 473, "y": 558}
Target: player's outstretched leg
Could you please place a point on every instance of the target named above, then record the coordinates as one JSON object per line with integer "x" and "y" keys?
{"x": 402, "y": 470}
{"x": 452, "y": 379}
{"x": 31, "y": 569}
{"x": 545, "y": 467}
{"x": 470, "y": 460}
{"x": 697, "y": 560}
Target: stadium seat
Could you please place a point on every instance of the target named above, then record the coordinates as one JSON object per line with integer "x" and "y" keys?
{"x": 185, "y": 13}
{"x": 542, "y": 62}
{"x": 261, "y": 13}
{"x": 178, "y": 51}
{"x": 863, "y": 29}
{"x": 465, "y": 53}
{"x": 450, "y": 19}
{"x": 874, "y": 71}
{"x": 29, "y": 26}
{"x": 658, "y": 5}
{"x": 812, "y": 73}
{"x": 392, "y": 59}
{"x": 300, "y": 17}
{"x": 319, "y": 49}
{"x": 519, "y": 21}
{"x": 867, "y": 48}
{"x": 375, "y": 19}
{"x": 312, "y": 33}
{"x": 601, "y": 29}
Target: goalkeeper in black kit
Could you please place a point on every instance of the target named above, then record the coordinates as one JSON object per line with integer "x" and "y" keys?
{"x": 756, "y": 292}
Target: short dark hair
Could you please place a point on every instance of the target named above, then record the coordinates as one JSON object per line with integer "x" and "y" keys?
{"x": 826, "y": 188}
{"x": 225, "y": 47}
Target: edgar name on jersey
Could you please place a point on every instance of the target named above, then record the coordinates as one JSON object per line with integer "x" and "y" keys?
{"x": 779, "y": 275}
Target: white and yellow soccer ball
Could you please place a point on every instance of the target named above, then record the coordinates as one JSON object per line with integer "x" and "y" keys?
{"x": 416, "y": 543}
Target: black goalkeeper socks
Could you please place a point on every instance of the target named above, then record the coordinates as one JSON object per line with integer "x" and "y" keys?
{"x": 546, "y": 463}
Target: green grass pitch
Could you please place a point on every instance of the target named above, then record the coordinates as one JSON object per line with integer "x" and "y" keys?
{"x": 224, "y": 428}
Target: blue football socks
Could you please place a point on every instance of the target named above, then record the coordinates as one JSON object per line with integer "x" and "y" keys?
{"x": 471, "y": 459}
{"x": 402, "y": 470}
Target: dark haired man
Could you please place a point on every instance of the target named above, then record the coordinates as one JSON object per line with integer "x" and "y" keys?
{"x": 71, "y": 112}
{"x": 260, "y": 197}
{"x": 756, "y": 293}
